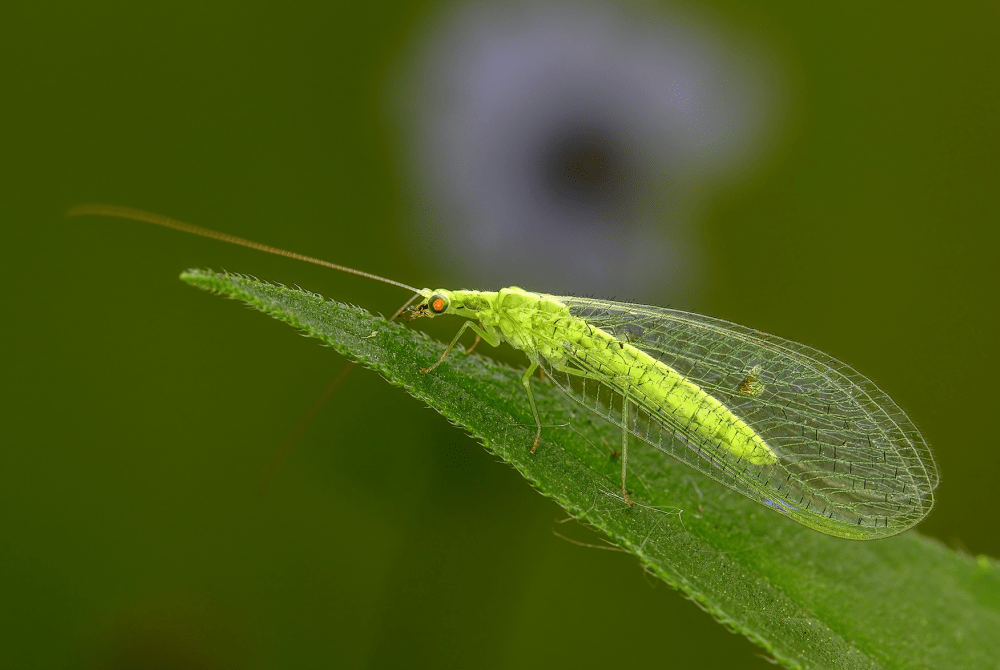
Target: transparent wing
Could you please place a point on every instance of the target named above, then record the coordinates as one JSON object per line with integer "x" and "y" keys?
{"x": 850, "y": 462}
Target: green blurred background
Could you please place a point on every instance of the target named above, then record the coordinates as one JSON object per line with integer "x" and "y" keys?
{"x": 140, "y": 414}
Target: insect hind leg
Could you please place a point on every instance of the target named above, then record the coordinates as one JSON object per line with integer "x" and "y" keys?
{"x": 526, "y": 382}
{"x": 625, "y": 408}
{"x": 625, "y": 412}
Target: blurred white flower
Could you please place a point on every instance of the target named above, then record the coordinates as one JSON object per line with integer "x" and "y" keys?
{"x": 565, "y": 147}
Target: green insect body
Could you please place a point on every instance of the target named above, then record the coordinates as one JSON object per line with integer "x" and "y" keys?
{"x": 782, "y": 423}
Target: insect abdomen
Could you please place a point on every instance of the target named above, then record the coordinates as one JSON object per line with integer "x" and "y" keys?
{"x": 662, "y": 392}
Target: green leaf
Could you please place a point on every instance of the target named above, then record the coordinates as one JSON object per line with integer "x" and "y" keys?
{"x": 809, "y": 599}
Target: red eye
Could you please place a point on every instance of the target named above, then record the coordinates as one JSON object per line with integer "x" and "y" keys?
{"x": 438, "y": 305}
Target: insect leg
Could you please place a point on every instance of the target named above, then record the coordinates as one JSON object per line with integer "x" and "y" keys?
{"x": 479, "y": 338}
{"x": 285, "y": 448}
{"x": 625, "y": 412}
{"x": 625, "y": 407}
{"x": 531, "y": 401}
{"x": 480, "y": 334}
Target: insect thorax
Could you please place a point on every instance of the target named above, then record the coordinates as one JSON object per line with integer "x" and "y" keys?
{"x": 521, "y": 317}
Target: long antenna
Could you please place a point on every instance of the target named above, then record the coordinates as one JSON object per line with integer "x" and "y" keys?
{"x": 167, "y": 222}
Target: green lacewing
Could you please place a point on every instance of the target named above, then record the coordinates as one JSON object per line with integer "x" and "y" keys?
{"x": 780, "y": 422}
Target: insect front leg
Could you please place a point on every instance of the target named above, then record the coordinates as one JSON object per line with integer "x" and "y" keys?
{"x": 479, "y": 338}
{"x": 492, "y": 340}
